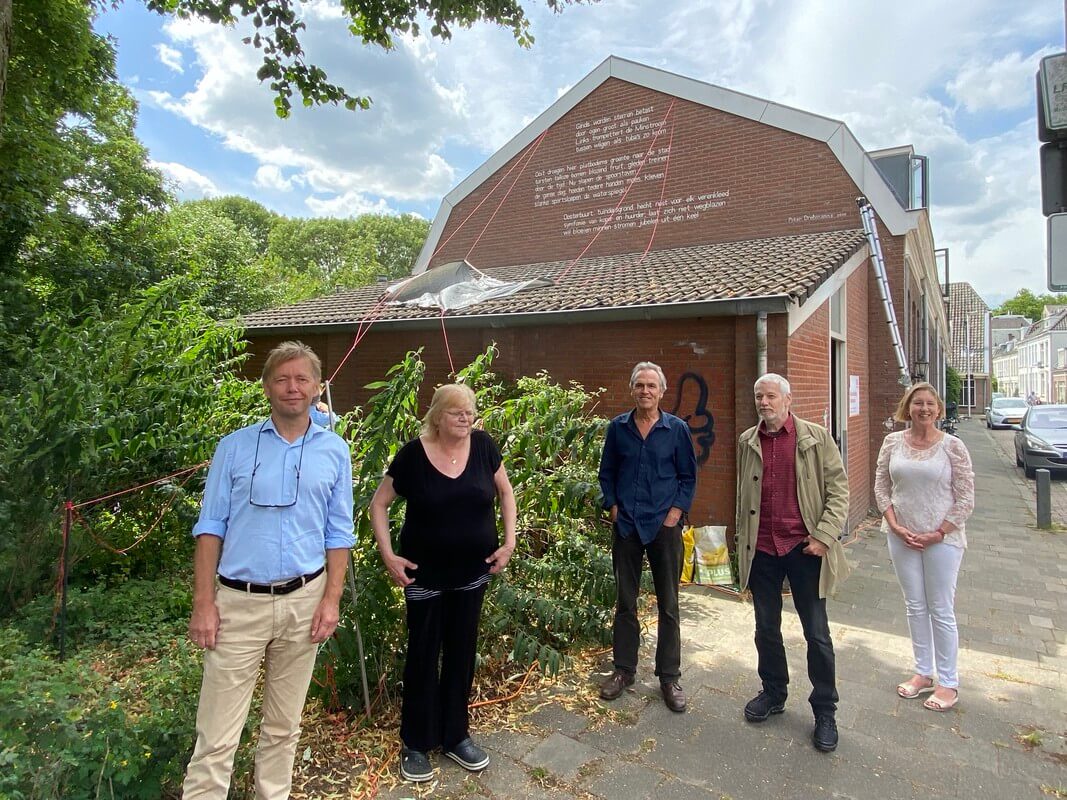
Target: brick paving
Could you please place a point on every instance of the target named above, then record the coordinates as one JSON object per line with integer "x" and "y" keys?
{"x": 1007, "y": 739}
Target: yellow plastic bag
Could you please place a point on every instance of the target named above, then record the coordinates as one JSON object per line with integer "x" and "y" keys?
{"x": 711, "y": 558}
{"x": 687, "y": 555}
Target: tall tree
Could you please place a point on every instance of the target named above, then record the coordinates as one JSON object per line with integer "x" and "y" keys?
{"x": 76, "y": 194}
{"x": 246, "y": 214}
{"x": 1030, "y": 305}
{"x": 215, "y": 261}
{"x": 397, "y": 241}
{"x": 5, "y": 49}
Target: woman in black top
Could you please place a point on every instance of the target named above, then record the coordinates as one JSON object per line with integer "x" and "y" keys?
{"x": 449, "y": 548}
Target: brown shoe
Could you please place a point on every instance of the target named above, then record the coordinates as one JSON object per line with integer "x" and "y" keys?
{"x": 673, "y": 695}
{"x": 616, "y": 682}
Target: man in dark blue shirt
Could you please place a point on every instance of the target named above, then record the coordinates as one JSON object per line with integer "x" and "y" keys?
{"x": 648, "y": 477}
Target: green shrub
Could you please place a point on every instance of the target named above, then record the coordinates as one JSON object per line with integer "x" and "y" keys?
{"x": 98, "y": 726}
{"x": 136, "y": 614}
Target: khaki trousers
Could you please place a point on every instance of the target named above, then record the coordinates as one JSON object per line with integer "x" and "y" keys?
{"x": 254, "y": 628}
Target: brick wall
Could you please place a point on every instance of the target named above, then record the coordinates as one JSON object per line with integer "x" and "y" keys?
{"x": 759, "y": 181}
{"x": 860, "y": 480}
{"x": 809, "y": 367}
{"x": 885, "y": 389}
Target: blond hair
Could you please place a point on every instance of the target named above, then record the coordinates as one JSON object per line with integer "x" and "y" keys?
{"x": 446, "y": 397}
{"x": 289, "y": 351}
{"x": 903, "y": 412}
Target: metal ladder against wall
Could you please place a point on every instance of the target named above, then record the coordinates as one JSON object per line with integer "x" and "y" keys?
{"x": 871, "y": 229}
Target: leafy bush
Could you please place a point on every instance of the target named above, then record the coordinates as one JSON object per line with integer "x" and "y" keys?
{"x": 108, "y": 404}
{"x": 146, "y": 614}
{"x": 106, "y": 725}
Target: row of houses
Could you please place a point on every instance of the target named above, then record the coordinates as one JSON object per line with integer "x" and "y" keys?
{"x": 649, "y": 216}
{"x": 1031, "y": 357}
{"x": 1009, "y": 353}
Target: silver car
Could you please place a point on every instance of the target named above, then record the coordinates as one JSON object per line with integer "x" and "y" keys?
{"x": 1041, "y": 440}
{"x": 1005, "y": 412}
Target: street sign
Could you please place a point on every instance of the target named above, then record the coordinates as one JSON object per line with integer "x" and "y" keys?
{"x": 1057, "y": 253}
{"x": 1052, "y": 80}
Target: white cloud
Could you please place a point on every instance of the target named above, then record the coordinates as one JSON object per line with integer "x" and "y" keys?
{"x": 169, "y": 57}
{"x": 270, "y": 176}
{"x": 1001, "y": 84}
{"x": 350, "y": 204}
{"x": 186, "y": 181}
{"x": 391, "y": 150}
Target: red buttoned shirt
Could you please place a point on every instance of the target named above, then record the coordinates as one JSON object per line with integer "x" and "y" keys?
{"x": 781, "y": 528}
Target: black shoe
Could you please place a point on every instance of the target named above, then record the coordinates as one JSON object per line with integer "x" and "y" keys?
{"x": 616, "y": 682}
{"x": 673, "y": 695}
{"x": 414, "y": 765}
{"x": 469, "y": 755}
{"x": 762, "y": 706}
{"x": 824, "y": 737}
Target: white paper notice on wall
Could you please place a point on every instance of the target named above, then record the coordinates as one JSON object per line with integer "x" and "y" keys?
{"x": 853, "y": 395}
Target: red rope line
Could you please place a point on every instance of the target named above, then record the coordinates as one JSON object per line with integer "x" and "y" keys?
{"x": 655, "y": 226}
{"x": 622, "y": 199}
{"x": 84, "y": 503}
{"x": 365, "y": 324}
{"x": 123, "y": 551}
{"x": 527, "y": 158}
{"x": 484, "y": 199}
{"x": 448, "y": 350}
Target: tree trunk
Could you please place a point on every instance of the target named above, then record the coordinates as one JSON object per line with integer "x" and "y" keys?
{"x": 5, "y": 50}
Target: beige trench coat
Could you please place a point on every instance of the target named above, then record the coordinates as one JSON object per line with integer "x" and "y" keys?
{"x": 822, "y": 492}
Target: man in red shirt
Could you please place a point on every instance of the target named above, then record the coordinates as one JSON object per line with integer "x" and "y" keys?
{"x": 792, "y": 506}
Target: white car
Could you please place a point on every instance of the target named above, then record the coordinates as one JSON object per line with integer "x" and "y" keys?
{"x": 1005, "y": 412}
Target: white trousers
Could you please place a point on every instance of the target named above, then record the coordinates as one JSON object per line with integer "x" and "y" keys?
{"x": 254, "y": 629}
{"x": 928, "y": 578}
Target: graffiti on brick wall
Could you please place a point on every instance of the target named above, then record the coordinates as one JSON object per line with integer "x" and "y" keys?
{"x": 692, "y": 406}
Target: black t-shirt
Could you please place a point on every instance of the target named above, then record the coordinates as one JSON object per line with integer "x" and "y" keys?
{"x": 450, "y": 523}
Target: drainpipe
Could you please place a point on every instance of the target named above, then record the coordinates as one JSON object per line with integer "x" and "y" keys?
{"x": 761, "y": 343}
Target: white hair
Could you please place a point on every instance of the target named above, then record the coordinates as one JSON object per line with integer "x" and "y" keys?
{"x": 642, "y": 366}
{"x": 773, "y": 377}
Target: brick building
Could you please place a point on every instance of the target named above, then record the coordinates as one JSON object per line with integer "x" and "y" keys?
{"x": 663, "y": 218}
{"x": 971, "y": 355}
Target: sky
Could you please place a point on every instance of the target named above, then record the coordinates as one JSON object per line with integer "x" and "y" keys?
{"x": 954, "y": 79}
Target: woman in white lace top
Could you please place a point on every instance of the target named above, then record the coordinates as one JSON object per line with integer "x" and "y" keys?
{"x": 924, "y": 487}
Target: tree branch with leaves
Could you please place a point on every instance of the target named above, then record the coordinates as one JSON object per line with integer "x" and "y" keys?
{"x": 278, "y": 27}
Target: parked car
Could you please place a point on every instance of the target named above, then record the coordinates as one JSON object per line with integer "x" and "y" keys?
{"x": 992, "y": 397}
{"x": 1041, "y": 440}
{"x": 1005, "y": 412}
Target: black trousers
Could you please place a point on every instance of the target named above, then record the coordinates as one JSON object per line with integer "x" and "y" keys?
{"x": 442, "y": 630}
{"x": 765, "y": 581}
{"x": 665, "y": 562}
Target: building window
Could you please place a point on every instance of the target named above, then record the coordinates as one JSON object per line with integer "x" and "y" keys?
{"x": 967, "y": 391}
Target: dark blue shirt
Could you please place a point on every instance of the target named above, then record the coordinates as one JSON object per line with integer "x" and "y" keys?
{"x": 646, "y": 477}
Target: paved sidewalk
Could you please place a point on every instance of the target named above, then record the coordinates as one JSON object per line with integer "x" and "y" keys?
{"x": 1005, "y": 740}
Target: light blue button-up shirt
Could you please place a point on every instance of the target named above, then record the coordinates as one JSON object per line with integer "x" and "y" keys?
{"x": 268, "y": 545}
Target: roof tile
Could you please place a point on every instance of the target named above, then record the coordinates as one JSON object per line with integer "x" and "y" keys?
{"x": 792, "y": 266}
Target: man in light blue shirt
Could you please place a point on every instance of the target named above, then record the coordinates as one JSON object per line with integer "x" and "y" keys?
{"x": 277, "y": 513}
